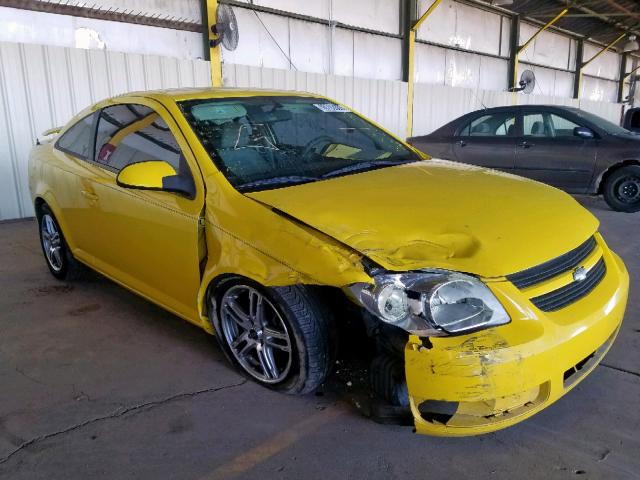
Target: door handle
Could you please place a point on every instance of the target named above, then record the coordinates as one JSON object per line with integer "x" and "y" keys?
{"x": 526, "y": 144}
{"x": 462, "y": 143}
{"x": 89, "y": 196}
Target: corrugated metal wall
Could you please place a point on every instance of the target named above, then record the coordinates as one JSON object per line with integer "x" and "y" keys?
{"x": 42, "y": 87}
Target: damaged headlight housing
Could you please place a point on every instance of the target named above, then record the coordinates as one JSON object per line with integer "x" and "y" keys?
{"x": 431, "y": 303}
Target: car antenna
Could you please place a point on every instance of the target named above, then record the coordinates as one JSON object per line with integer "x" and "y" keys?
{"x": 484, "y": 107}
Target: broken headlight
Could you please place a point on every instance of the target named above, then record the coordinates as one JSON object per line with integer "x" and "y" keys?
{"x": 431, "y": 303}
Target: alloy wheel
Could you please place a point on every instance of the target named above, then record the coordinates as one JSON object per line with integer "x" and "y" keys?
{"x": 256, "y": 334}
{"x": 51, "y": 242}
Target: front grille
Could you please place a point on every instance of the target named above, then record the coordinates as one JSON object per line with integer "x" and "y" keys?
{"x": 554, "y": 267}
{"x": 552, "y": 301}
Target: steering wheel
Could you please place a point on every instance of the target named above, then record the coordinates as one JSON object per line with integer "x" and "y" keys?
{"x": 314, "y": 144}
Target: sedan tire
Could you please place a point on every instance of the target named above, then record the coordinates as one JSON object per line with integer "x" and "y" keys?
{"x": 279, "y": 337}
{"x": 622, "y": 189}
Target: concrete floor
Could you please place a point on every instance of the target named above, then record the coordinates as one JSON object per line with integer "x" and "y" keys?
{"x": 97, "y": 383}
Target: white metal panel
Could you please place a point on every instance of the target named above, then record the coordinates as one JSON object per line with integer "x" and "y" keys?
{"x": 493, "y": 74}
{"x": 599, "y": 90}
{"x": 459, "y": 69}
{"x": 610, "y": 111}
{"x": 343, "y": 52}
{"x": 384, "y": 101}
{"x": 316, "y": 8}
{"x": 606, "y": 65}
{"x": 430, "y": 64}
{"x": 44, "y": 86}
{"x": 549, "y": 48}
{"x": 380, "y": 15}
{"x": 24, "y": 26}
{"x": 260, "y": 46}
{"x": 376, "y": 57}
{"x": 462, "y": 26}
{"x": 309, "y": 46}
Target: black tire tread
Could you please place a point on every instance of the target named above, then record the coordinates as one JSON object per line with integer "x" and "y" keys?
{"x": 314, "y": 324}
{"x": 72, "y": 270}
{"x": 609, "y": 195}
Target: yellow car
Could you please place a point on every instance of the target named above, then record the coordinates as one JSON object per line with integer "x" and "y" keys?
{"x": 267, "y": 217}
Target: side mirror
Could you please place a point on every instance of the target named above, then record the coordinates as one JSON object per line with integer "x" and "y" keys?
{"x": 155, "y": 175}
{"x": 583, "y": 132}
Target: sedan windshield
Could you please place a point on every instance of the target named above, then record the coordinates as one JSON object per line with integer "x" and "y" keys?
{"x": 269, "y": 142}
{"x": 600, "y": 122}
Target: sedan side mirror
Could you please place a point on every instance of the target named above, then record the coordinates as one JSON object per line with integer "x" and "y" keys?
{"x": 155, "y": 175}
{"x": 583, "y": 132}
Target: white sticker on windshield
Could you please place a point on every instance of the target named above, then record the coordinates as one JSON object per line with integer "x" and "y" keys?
{"x": 330, "y": 108}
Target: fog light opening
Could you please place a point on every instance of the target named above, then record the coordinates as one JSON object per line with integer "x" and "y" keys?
{"x": 438, "y": 411}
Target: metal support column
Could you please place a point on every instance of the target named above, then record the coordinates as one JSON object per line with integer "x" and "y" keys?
{"x": 577, "y": 75}
{"x": 514, "y": 43}
{"x": 411, "y": 35}
{"x": 215, "y": 55}
{"x": 622, "y": 76}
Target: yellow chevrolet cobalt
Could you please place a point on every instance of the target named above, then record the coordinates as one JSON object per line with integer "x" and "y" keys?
{"x": 268, "y": 218}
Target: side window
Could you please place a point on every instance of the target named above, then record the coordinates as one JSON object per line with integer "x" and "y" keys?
{"x": 77, "y": 140}
{"x": 500, "y": 124}
{"x": 536, "y": 125}
{"x": 135, "y": 133}
{"x": 562, "y": 127}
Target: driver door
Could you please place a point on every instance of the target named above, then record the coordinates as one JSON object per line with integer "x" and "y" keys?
{"x": 148, "y": 240}
{"x": 550, "y": 152}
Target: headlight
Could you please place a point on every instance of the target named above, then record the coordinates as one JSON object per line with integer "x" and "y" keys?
{"x": 431, "y": 303}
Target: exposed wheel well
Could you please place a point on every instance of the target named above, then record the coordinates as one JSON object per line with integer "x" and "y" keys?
{"x": 37, "y": 204}
{"x": 607, "y": 173}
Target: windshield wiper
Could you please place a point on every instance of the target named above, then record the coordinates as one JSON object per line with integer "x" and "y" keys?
{"x": 367, "y": 166}
{"x": 276, "y": 181}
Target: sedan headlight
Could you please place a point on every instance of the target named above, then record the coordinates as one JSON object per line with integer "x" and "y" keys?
{"x": 431, "y": 303}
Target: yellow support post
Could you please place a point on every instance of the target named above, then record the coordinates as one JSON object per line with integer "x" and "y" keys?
{"x": 523, "y": 47}
{"x": 604, "y": 49}
{"x": 410, "y": 64}
{"x": 215, "y": 55}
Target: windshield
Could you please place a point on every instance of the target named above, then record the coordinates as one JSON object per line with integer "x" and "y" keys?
{"x": 600, "y": 122}
{"x": 269, "y": 142}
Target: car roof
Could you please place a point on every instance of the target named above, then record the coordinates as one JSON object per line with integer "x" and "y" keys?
{"x": 180, "y": 94}
{"x": 528, "y": 107}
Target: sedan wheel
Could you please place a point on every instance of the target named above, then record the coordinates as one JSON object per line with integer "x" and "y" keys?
{"x": 256, "y": 334}
{"x": 622, "y": 189}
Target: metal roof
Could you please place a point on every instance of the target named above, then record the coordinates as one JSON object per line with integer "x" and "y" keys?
{"x": 600, "y": 20}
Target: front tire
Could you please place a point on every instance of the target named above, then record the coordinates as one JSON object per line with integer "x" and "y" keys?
{"x": 622, "y": 189}
{"x": 279, "y": 337}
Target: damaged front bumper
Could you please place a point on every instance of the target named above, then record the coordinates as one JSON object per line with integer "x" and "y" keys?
{"x": 492, "y": 379}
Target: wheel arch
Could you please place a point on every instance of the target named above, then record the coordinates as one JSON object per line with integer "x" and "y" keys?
{"x": 609, "y": 171}
{"x": 49, "y": 200}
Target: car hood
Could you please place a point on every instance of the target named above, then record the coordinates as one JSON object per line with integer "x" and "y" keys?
{"x": 440, "y": 214}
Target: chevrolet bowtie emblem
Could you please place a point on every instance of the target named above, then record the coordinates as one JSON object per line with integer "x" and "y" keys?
{"x": 579, "y": 274}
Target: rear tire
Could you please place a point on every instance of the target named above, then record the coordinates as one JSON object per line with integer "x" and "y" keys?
{"x": 279, "y": 337}
{"x": 622, "y": 189}
{"x": 56, "y": 252}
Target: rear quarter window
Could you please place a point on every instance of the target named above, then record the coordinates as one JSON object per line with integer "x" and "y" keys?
{"x": 77, "y": 140}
